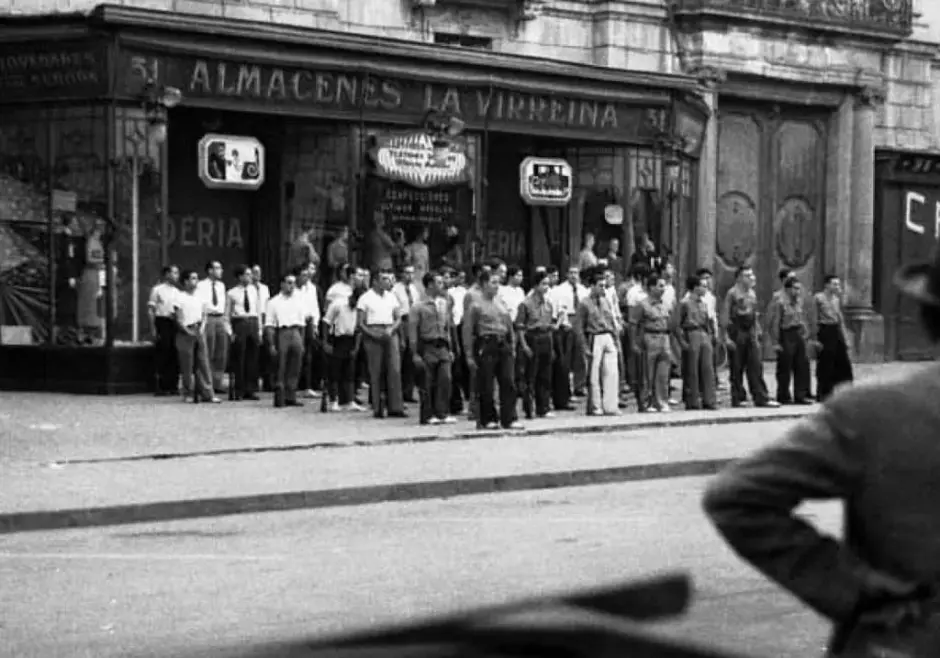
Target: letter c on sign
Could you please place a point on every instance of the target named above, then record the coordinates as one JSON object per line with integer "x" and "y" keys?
{"x": 910, "y": 199}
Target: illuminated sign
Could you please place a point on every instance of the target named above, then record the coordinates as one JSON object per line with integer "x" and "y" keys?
{"x": 545, "y": 181}
{"x": 415, "y": 159}
{"x": 231, "y": 162}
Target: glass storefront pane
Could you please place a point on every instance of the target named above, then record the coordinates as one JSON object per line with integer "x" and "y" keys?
{"x": 79, "y": 165}
{"x": 138, "y": 216}
{"x": 26, "y": 313}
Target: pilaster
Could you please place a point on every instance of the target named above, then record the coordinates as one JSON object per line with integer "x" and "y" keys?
{"x": 706, "y": 225}
{"x": 866, "y": 325}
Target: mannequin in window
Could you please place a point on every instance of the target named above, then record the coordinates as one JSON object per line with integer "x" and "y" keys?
{"x": 418, "y": 256}
{"x": 70, "y": 262}
{"x": 90, "y": 283}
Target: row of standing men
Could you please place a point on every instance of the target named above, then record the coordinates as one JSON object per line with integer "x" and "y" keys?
{"x": 555, "y": 343}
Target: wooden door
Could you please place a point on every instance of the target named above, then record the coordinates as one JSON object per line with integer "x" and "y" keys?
{"x": 771, "y": 195}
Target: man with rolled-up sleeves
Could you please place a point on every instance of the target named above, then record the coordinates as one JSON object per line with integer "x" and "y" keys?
{"x": 218, "y": 330}
{"x": 286, "y": 321}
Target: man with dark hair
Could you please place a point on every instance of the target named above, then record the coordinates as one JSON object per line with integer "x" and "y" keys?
{"x": 634, "y": 295}
{"x": 653, "y": 324}
{"x": 833, "y": 364}
{"x": 244, "y": 312}
{"x": 379, "y": 319}
{"x": 535, "y": 326}
{"x": 597, "y": 320}
{"x": 489, "y": 333}
{"x": 161, "y": 310}
{"x": 873, "y": 448}
{"x": 218, "y": 329}
{"x": 743, "y": 332}
{"x": 697, "y": 340}
{"x": 191, "y": 311}
{"x": 478, "y": 272}
{"x": 789, "y": 331}
{"x": 432, "y": 335}
{"x": 285, "y": 325}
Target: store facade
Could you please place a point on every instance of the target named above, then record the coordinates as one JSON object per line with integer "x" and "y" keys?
{"x": 82, "y": 245}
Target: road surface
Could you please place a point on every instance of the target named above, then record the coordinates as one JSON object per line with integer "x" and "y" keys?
{"x": 225, "y": 586}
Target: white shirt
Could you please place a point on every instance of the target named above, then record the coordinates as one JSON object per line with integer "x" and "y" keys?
{"x": 264, "y": 294}
{"x": 562, "y": 296}
{"x": 236, "y": 302}
{"x": 378, "y": 309}
{"x": 341, "y": 318}
{"x": 635, "y": 295}
{"x": 401, "y": 292}
{"x": 610, "y": 292}
{"x": 191, "y": 307}
{"x": 290, "y": 311}
{"x": 311, "y": 297}
{"x": 457, "y": 293}
{"x": 511, "y": 297}
{"x": 163, "y": 300}
{"x": 204, "y": 291}
{"x": 338, "y": 291}
{"x": 669, "y": 297}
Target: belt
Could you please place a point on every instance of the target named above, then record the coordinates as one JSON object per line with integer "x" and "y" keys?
{"x": 794, "y": 328}
{"x": 705, "y": 329}
{"x": 539, "y": 331}
{"x": 493, "y": 337}
{"x": 244, "y": 317}
{"x": 438, "y": 342}
{"x": 291, "y": 327}
{"x": 379, "y": 326}
{"x": 656, "y": 331}
{"x": 216, "y": 315}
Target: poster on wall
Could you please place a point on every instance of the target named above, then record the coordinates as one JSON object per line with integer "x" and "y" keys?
{"x": 231, "y": 162}
{"x": 415, "y": 159}
{"x": 545, "y": 181}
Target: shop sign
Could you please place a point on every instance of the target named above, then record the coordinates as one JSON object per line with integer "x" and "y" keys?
{"x": 545, "y": 181}
{"x": 413, "y": 159}
{"x": 405, "y": 204}
{"x": 231, "y": 162}
{"x": 338, "y": 93}
{"x": 56, "y": 71}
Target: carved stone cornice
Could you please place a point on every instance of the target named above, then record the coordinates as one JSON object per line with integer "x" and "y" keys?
{"x": 709, "y": 77}
{"x": 869, "y": 97}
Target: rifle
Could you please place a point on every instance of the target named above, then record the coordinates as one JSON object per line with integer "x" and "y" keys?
{"x": 600, "y": 623}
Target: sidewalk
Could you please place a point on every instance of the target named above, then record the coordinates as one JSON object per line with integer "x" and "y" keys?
{"x": 53, "y": 428}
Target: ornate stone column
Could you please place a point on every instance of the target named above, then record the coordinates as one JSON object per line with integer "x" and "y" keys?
{"x": 866, "y": 325}
{"x": 706, "y": 225}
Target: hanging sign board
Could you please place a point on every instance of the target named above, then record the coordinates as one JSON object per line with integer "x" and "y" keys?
{"x": 231, "y": 162}
{"x": 413, "y": 158}
{"x": 545, "y": 181}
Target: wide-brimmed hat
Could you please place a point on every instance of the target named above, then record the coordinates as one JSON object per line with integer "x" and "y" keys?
{"x": 921, "y": 281}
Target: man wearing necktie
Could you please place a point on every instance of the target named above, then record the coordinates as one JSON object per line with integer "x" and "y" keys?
{"x": 408, "y": 295}
{"x": 244, "y": 313}
{"x": 211, "y": 290}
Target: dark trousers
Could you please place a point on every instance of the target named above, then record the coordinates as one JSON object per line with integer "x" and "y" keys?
{"x": 407, "y": 364}
{"x": 166, "y": 360}
{"x": 434, "y": 382}
{"x": 495, "y": 366}
{"x": 833, "y": 365}
{"x": 384, "y": 374}
{"x": 194, "y": 364}
{"x": 792, "y": 362}
{"x": 698, "y": 374}
{"x": 639, "y": 372}
{"x": 290, "y": 360}
{"x": 459, "y": 383}
{"x": 267, "y": 367}
{"x": 312, "y": 371}
{"x": 341, "y": 382}
{"x": 536, "y": 379}
{"x": 746, "y": 360}
{"x": 246, "y": 344}
{"x": 561, "y": 370}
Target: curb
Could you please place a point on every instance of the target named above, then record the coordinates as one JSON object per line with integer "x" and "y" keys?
{"x": 346, "y": 497}
{"x": 461, "y": 436}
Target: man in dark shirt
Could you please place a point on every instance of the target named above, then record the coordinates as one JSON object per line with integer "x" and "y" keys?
{"x": 696, "y": 338}
{"x": 488, "y": 329}
{"x": 874, "y": 447}
{"x": 433, "y": 338}
{"x": 788, "y": 333}
{"x": 833, "y": 364}
{"x": 535, "y": 325}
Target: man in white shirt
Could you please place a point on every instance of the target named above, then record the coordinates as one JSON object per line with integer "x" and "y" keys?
{"x": 634, "y": 296}
{"x": 244, "y": 312}
{"x": 408, "y": 295}
{"x": 265, "y": 368}
{"x": 218, "y": 330}
{"x": 286, "y": 321}
{"x": 343, "y": 286}
{"x": 311, "y": 373}
{"x": 162, "y": 310}
{"x": 379, "y": 321}
{"x": 455, "y": 280}
{"x": 567, "y": 298}
{"x": 511, "y": 293}
{"x": 191, "y": 321}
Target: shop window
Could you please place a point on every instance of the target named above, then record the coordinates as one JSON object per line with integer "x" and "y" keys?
{"x": 463, "y": 40}
{"x": 52, "y": 226}
{"x": 317, "y": 189}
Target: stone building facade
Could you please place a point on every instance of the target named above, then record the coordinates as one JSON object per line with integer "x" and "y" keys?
{"x": 804, "y": 95}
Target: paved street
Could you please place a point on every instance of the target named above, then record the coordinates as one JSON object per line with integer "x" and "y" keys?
{"x": 225, "y": 586}
{"x": 434, "y": 470}
{"x": 37, "y": 427}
